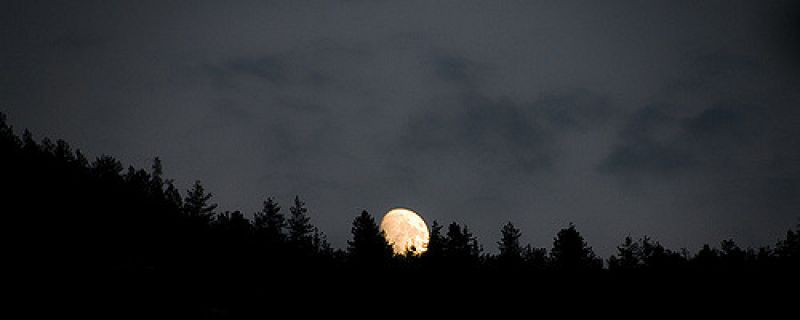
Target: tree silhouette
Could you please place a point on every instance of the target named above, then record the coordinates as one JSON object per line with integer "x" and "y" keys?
{"x": 461, "y": 247}
{"x": 509, "y": 246}
{"x": 233, "y": 223}
{"x": 63, "y": 152}
{"x": 80, "y": 160}
{"x": 299, "y": 228}
{"x": 707, "y": 258}
{"x": 196, "y": 204}
{"x": 434, "y": 253}
{"x": 368, "y": 245}
{"x": 156, "y": 179}
{"x": 535, "y": 258}
{"x": 29, "y": 145}
{"x": 107, "y": 168}
{"x": 731, "y": 255}
{"x": 138, "y": 180}
{"x": 628, "y": 256}
{"x": 8, "y": 140}
{"x": 172, "y": 195}
{"x": 47, "y": 146}
{"x": 571, "y": 252}
{"x": 787, "y": 251}
{"x": 320, "y": 245}
{"x": 269, "y": 223}
{"x": 651, "y": 254}
{"x": 644, "y": 254}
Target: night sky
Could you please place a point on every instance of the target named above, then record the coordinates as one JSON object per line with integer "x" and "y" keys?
{"x": 673, "y": 119}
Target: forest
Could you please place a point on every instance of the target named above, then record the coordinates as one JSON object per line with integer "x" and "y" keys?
{"x": 129, "y": 237}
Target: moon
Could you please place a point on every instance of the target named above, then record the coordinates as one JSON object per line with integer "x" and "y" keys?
{"x": 404, "y": 230}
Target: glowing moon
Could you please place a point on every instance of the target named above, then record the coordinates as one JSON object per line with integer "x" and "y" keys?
{"x": 405, "y": 229}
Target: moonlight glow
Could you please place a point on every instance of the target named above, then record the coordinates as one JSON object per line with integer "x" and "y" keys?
{"x": 405, "y": 229}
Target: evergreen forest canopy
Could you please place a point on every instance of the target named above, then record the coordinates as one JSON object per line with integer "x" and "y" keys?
{"x": 71, "y": 219}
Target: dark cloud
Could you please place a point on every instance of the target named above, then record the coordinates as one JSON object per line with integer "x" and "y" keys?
{"x": 660, "y": 144}
{"x": 270, "y": 68}
{"x": 579, "y": 110}
{"x": 673, "y": 119}
{"x": 453, "y": 69}
{"x": 275, "y": 70}
{"x": 727, "y": 138}
{"x": 498, "y": 133}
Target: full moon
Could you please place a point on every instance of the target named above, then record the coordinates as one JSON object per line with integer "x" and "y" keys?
{"x": 404, "y": 230}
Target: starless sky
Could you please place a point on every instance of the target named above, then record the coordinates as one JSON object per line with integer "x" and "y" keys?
{"x": 673, "y": 119}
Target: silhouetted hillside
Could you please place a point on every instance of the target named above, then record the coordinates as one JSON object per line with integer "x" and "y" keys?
{"x": 127, "y": 240}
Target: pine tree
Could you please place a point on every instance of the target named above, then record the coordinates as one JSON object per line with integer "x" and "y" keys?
{"x": 535, "y": 258}
{"x": 63, "y": 152}
{"x": 139, "y": 180}
{"x": 319, "y": 243}
{"x": 707, "y": 258}
{"x": 368, "y": 246}
{"x": 461, "y": 247}
{"x": 572, "y": 253}
{"x": 47, "y": 146}
{"x": 300, "y": 230}
{"x": 270, "y": 222}
{"x": 80, "y": 160}
{"x": 196, "y": 204}
{"x": 435, "y": 247}
{"x": 788, "y": 249}
{"x": 107, "y": 169}
{"x": 156, "y": 179}
{"x": 510, "y": 249}
{"x": 628, "y": 256}
{"x": 29, "y": 145}
{"x": 172, "y": 195}
{"x": 233, "y": 223}
{"x": 732, "y": 256}
{"x": 8, "y": 139}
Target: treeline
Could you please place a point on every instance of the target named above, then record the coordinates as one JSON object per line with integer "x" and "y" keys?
{"x": 66, "y": 215}
{"x": 137, "y": 209}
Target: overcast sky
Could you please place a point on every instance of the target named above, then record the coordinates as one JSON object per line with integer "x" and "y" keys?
{"x": 673, "y": 119}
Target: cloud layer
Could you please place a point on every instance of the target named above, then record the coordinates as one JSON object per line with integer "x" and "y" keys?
{"x": 678, "y": 120}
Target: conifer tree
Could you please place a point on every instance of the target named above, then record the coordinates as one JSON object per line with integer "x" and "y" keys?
{"x": 196, "y": 204}
{"x": 320, "y": 245}
{"x": 299, "y": 228}
{"x": 509, "y": 246}
{"x": 572, "y": 253}
{"x": 270, "y": 222}
{"x": 156, "y": 179}
{"x": 368, "y": 246}
{"x": 628, "y": 255}
{"x": 172, "y": 195}
{"x": 460, "y": 246}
